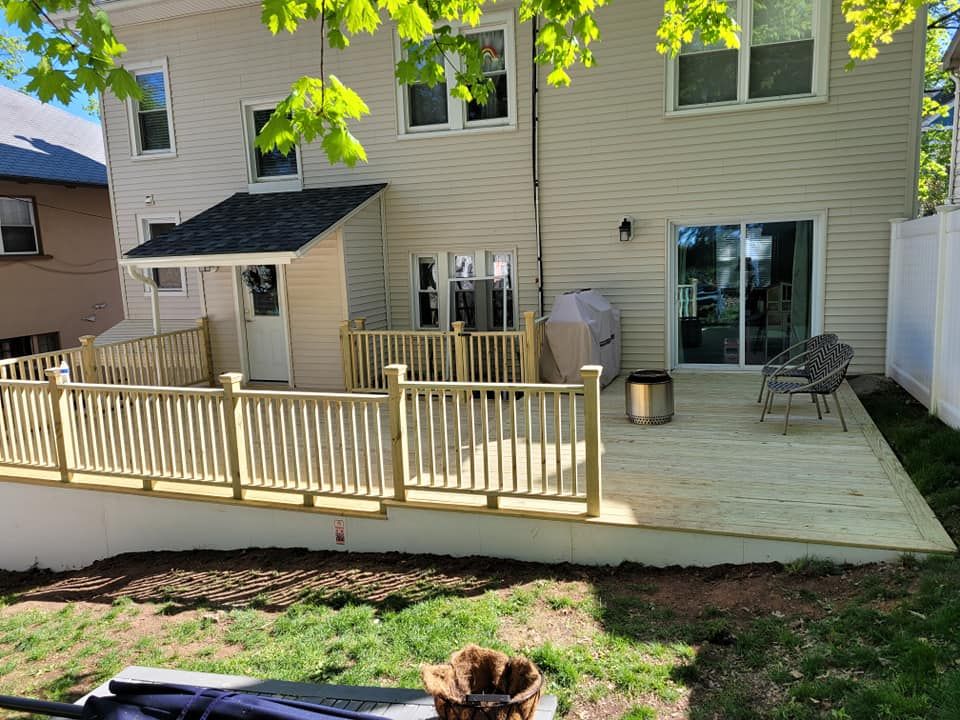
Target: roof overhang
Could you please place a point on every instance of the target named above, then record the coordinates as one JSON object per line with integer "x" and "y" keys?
{"x": 950, "y": 60}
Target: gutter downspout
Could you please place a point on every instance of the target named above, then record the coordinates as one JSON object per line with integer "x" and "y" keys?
{"x": 535, "y": 155}
{"x": 137, "y": 274}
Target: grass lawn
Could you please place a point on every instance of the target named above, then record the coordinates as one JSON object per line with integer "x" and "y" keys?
{"x": 810, "y": 640}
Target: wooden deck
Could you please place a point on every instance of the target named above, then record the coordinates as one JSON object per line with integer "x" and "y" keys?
{"x": 717, "y": 469}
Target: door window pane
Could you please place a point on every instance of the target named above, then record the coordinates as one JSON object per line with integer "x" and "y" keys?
{"x": 501, "y": 270}
{"x": 492, "y": 49}
{"x": 778, "y": 271}
{"x": 708, "y": 302}
{"x": 272, "y": 163}
{"x": 463, "y": 296}
{"x": 781, "y": 52}
{"x": 427, "y": 293}
{"x": 261, "y": 282}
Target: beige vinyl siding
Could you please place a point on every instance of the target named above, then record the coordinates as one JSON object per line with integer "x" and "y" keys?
{"x": 448, "y": 192}
{"x": 363, "y": 260}
{"x": 315, "y": 301}
{"x": 608, "y": 150}
{"x": 221, "y": 299}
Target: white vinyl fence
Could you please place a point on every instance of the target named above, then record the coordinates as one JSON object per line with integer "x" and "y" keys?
{"x": 923, "y": 323}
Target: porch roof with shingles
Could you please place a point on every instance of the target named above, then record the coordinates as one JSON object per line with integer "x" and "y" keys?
{"x": 246, "y": 225}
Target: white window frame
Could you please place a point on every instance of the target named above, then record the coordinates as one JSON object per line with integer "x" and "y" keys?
{"x": 445, "y": 278}
{"x": 276, "y": 183}
{"x": 33, "y": 224}
{"x": 136, "y": 152}
{"x": 143, "y": 234}
{"x": 819, "y": 89}
{"x": 817, "y": 280}
{"x": 456, "y": 108}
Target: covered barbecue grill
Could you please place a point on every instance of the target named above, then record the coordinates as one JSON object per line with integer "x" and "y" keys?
{"x": 583, "y": 329}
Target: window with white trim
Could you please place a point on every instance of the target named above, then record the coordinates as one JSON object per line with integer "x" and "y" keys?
{"x": 476, "y": 287}
{"x": 271, "y": 166}
{"x": 783, "y": 55}
{"x": 170, "y": 280}
{"x": 151, "y": 118}
{"x": 432, "y": 109}
{"x": 18, "y": 231}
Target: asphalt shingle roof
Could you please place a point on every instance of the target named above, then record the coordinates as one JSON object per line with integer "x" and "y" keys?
{"x": 46, "y": 143}
{"x": 259, "y": 223}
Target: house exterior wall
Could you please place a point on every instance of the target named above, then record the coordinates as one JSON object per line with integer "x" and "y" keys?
{"x": 363, "y": 261}
{"x": 76, "y": 271}
{"x": 316, "y": 299}
{"x": 607, "y": 150}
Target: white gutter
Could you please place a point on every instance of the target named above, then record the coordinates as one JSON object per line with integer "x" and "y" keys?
{"x": 138, "y": 274}
{"x": 282, "y": 258}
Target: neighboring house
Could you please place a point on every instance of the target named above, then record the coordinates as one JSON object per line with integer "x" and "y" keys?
{"x": 951, "y": 63}
{"x": 759, "y": 183}
{"x": 58, "y": 259}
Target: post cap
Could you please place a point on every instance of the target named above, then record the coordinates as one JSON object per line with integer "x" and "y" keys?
{"x": 591, "y": 370}
{"x": 87, "y": 339}
{"x": 395, "y": 369}
{"x": 54, "y": 375}
{"x": 231, "y": 377}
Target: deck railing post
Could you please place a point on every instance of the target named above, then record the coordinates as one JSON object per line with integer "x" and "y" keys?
{"x": 5, "y": 366}
{"x": 460, "y": 341}
{"x": 399, "y": 444}
{"x": 531, "y": 364}
{"x": 346, "y": 354}
{"x": 89, "y": 372}
{"x": 360, "y": 323}
{"x": 233, "y": 422}
{"x": 206, "y": 352}
{"x": 61, "y": 407}
{"x": 591, "y": 430}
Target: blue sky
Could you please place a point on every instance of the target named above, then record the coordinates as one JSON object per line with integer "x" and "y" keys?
{"x": 76, "y": 106}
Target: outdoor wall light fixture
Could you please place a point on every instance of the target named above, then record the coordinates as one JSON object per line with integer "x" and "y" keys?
{"x": 626, "y": 229}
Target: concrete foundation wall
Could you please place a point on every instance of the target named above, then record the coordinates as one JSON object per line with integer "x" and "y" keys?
{"x": 61, "y": 528}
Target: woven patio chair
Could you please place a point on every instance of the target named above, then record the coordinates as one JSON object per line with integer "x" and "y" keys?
{"x": 827, "y": 370}
{"x": 792, "y": 362}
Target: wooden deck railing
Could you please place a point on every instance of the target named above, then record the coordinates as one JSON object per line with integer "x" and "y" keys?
{"x": 179, "y": 358}
{"x": 499, "y": 440}
{"x": 457, "y": 355}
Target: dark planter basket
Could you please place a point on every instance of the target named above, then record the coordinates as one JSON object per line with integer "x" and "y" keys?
{"x": 479, "y": 670}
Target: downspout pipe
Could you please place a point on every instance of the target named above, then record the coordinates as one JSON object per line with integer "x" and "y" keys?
{"x": 535, "y": 155}
{"x": 147, "y": 279}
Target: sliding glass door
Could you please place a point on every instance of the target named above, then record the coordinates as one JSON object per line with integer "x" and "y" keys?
{"x": 743, "y": 292}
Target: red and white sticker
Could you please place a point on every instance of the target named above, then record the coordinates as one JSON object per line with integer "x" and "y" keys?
{"x": 340, "y": 531}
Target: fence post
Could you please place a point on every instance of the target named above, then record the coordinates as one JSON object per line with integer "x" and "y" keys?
{"x": 206, "y": 353}
{"x": 89, "y": 372}
{"x": 590, "y": 374}
{"x": 233, "y": 416}
{"x": 62, "y": 431}
{"x": 399, "y": 444}
{"x": 460, "y": 351}
{"x": 531, "y": 364}
{"x": 346, "y": 354}
{"x": 360, "y": 323}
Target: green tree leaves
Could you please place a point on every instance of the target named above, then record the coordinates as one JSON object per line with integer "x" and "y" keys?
{"x": 11, "y": 56}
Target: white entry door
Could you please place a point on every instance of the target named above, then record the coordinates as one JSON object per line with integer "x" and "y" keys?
{"x": 263, "y": 314}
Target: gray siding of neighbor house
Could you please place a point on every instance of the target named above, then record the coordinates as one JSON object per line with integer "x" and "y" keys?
{"x": 607, "y": 148}
{"x": 363, "y": 259}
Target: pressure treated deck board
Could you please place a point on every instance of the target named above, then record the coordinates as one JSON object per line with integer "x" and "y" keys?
{"x": 716, "y": 468}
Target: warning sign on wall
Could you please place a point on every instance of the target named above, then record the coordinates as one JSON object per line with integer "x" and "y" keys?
{"x": 340, "y": 531}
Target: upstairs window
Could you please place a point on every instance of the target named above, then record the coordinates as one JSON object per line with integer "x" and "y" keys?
{"x": 783, "y": 55}
{"x": 432, "y": 109}
{"x": 151, "y": 119}
{"x": 271, "y": 170}
{"x": 18, "y": 230}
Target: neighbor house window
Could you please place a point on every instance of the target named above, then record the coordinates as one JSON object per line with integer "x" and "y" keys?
{"x": 271, "y": 167}
{"x": 29, "y": 345}
{"x": 475, "y": 287}
{"x": 18, "y": 231}
{"x": 424, "y": 108}
{"x": 168, "y": 279}
{"x": 783, "y": 55}
{"x": 151, "y": 118}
